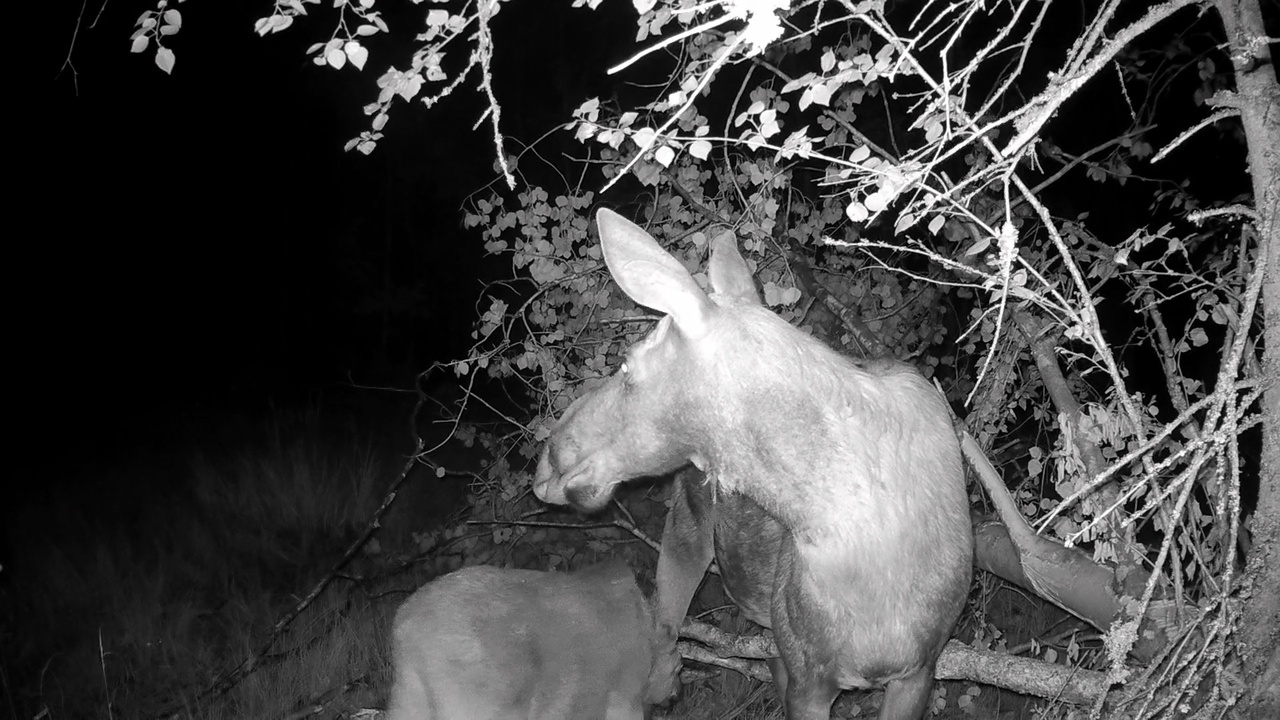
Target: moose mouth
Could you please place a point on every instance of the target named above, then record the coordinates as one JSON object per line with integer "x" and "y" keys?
{"x": 583, "y": 486}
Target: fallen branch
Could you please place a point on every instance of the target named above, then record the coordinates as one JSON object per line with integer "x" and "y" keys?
{"x": 1028, "y": 676}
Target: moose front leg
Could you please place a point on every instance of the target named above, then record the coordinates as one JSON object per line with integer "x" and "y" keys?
{"x": 687, "y": 547}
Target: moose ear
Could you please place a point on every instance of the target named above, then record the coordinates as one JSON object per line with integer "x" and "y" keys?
{"x": 650, "y": 275}
{"x": 730, "y": 276}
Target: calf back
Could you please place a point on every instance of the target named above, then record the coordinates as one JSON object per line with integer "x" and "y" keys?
{"x": 485, "y": 643}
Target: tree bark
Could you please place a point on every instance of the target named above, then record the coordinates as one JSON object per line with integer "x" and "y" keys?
{"x": 1257, "y": 99}
{"x": 1043, "y": 352}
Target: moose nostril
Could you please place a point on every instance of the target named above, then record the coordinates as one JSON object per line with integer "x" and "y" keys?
{"x": 579, "y": 497}
{"x": 587, "y": 498}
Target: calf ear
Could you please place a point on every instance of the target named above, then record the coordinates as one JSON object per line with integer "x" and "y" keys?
{"x": 650, "y": 275}
{"x": 730, "y": 276}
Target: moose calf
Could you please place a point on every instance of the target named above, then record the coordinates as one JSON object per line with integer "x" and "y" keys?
{"x": 484, "y": 642}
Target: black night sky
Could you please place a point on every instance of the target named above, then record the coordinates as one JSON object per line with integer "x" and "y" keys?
{"x": 202, "y": 238}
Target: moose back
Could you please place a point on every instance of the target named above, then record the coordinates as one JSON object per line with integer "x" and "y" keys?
{"x": 843, "y": 478}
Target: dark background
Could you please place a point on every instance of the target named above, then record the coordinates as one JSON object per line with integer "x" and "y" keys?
{"x": 201, "y": 241}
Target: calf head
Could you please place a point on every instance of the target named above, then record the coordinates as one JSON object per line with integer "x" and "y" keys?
{"x": 656, "y": 412}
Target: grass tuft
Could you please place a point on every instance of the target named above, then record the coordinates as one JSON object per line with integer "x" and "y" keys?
{"x": 133, "y": 590}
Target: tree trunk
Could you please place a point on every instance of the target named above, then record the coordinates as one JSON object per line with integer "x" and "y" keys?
{"x": 1257, "y": 99}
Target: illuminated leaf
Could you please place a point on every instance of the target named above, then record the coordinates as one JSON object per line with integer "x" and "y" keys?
{"x": 356, "y": 53}
{"x": 164, "y": 59}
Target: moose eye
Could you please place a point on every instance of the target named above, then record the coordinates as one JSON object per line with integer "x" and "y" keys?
{"x": 627, "y": 377}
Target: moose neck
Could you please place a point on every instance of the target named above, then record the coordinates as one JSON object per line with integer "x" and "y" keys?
{"x": 796, "y": 428}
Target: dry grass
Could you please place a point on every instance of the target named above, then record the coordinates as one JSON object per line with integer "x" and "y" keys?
{"x": 132, "y": 593}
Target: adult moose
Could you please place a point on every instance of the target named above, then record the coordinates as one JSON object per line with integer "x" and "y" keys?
{"x": 834, "y": 489}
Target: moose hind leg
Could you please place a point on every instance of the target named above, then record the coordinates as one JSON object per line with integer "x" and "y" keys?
{"x": 907, "y": 698}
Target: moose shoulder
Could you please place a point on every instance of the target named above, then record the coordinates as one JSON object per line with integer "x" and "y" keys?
{"x": 847, "y": 474}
